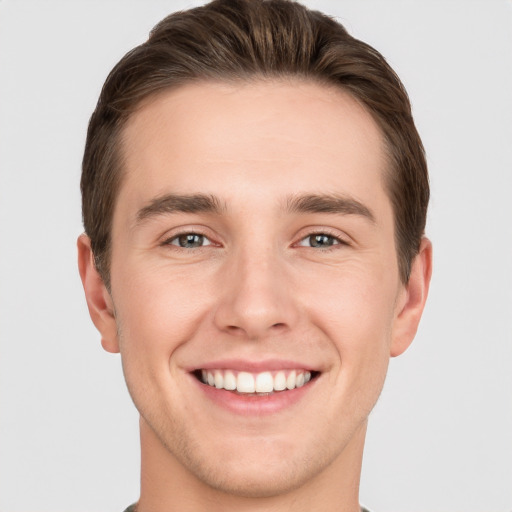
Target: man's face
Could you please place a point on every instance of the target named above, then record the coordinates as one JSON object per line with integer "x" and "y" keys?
{"x": 253, "y": 241}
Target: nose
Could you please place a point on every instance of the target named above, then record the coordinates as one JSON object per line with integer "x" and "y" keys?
{"x": 257, "y": 296}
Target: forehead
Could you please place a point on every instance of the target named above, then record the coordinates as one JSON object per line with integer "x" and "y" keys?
{"x": 264, "y": 138}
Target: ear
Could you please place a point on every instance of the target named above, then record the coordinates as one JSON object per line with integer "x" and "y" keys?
{"x": 99, "y": 301}
{"x": 412, "y": 300}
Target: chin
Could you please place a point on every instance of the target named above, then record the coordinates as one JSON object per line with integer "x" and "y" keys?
{"x": 250, "y": 468}
{"x": 254, "y": 480}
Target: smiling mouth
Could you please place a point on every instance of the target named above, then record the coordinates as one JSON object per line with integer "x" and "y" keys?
{"x": 262, "y": 383}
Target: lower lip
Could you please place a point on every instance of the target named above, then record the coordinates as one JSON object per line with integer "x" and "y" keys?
{"x": 255, "y": 404}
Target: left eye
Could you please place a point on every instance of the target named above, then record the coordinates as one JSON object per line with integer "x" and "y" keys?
{"x": 320, "y": 240}
{"x": 189, "y": 241}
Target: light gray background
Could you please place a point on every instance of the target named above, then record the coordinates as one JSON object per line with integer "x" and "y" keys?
{"x": 440, "y": 439}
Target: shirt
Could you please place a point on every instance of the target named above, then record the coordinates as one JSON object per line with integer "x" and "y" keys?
{"x": 132, "y": 508}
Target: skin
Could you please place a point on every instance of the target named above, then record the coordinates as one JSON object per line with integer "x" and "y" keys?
{"x": 258, "y": 291}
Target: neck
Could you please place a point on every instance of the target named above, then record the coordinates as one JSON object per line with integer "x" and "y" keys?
{"x": 168, "y": 486}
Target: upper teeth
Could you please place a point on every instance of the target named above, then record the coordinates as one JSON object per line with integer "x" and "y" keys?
{"x": 264, "y": 382}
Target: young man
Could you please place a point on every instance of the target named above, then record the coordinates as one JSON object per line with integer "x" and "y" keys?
{"x": 254, "y": 202}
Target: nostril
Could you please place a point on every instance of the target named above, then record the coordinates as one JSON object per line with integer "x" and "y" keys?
{"x": 233, "y": 329}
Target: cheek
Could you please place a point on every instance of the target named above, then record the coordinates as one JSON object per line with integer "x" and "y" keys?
{"x": 157, "y": 312}
{"x": 356, "y": 311}
{"x": 156, "y": 315}
{"x": 355, "y": 302}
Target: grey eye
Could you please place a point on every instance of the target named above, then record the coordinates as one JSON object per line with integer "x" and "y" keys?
{"x": 319, "y": 240}
{"x": 190, "y": 240}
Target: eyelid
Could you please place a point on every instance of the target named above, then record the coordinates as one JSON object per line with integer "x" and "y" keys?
{"x": 337, "y": 241}
{"x": 342, "y": 238}
{"x": 175, "y": 233}
{"x": 170, "y": 241}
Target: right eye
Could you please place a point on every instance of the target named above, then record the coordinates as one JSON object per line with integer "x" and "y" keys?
{"x": 188, "y": 240}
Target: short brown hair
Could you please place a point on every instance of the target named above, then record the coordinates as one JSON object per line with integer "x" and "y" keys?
{"x": 231, "y": 40}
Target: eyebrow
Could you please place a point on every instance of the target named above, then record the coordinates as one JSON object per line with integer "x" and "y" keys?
{"x": 202, "y": 203}
{"x": 175, "y": 203}
{"x": 328, "y": 203}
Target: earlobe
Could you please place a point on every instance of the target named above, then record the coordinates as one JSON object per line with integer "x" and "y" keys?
{"x": 412, "y": 302}
{"x": 99, "y": 301}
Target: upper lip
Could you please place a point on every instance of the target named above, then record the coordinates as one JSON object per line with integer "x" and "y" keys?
{"x": 244, "y": 365}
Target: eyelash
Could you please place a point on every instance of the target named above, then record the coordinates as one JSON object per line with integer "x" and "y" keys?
{"x": 336, "y": 240}
{"x": 176, "y": 238}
